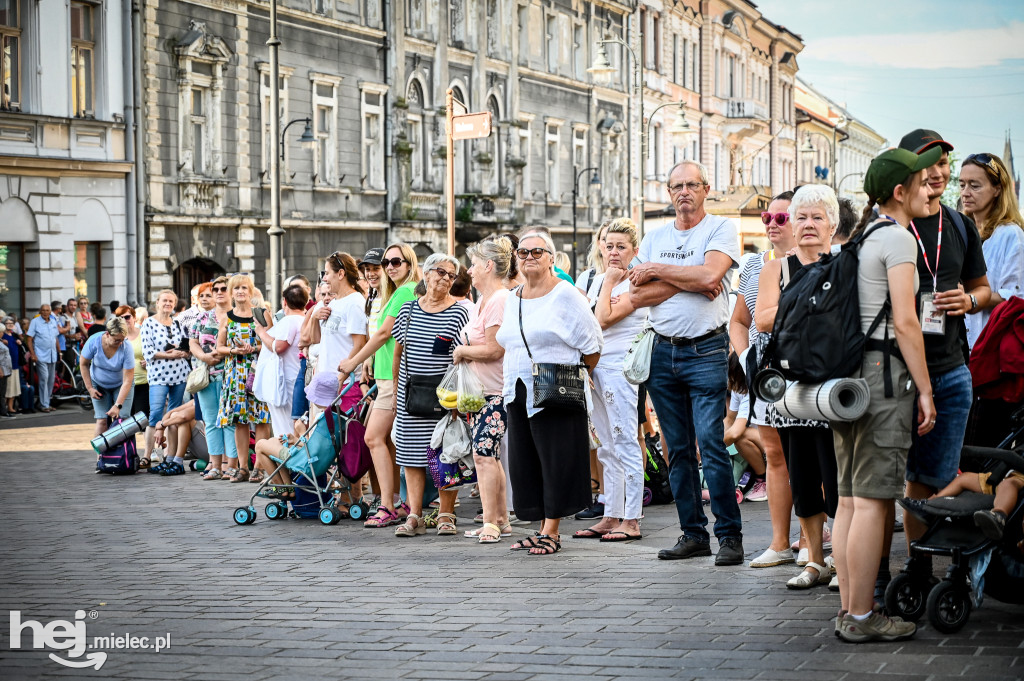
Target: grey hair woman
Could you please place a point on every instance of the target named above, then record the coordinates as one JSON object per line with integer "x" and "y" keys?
{"x": 108, "y": 372}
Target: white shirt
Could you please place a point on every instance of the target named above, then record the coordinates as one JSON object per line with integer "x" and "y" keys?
{"x": 1004, "y": 257}
{"x": 689, "y": 315}
{"x": 558, "y": 326}
{"x": 619, "y": 336}
{"x": 287, "y": 329}
{"x": 347, "y": 318}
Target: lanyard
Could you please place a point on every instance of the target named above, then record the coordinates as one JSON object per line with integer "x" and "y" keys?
{"x": 924, "y": 255}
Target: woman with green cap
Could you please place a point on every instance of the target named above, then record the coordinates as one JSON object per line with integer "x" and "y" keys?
{"x": 871, "y": 453}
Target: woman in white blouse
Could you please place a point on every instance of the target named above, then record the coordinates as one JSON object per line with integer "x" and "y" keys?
{"x": 615, "y": 407}
{"x": 548, "y": 447}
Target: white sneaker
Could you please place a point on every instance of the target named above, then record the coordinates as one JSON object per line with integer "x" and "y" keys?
{"x": 759, "y": 492}
{"x": 771, "y": 558}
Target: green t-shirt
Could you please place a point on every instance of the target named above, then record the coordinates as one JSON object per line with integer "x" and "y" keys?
{"x": 383, "y": 358}
{"x": 562, "y": 274}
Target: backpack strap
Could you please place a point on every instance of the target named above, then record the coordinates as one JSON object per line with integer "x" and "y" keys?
{"x": 958, "y": 222}
{"x": 785, "y": 272}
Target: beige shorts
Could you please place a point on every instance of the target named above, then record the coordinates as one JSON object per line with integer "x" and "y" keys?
{"x": 871, "y": 453}
{"x": 385, "y": 398}
{"x": 987, "y": 488}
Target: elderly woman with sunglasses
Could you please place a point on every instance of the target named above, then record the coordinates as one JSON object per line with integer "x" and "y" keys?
{"x": 203, "y": 342}
{"x": 397, "y": 289}
{"x": 108, "y": 372}
{"x": 744, "y": 334}
{"x": 545, "y": 321}
{"x": 426, "y": 333}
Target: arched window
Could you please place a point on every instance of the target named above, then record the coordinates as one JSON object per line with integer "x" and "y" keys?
{"x": 416, "y": 132}
{"x": 492, "y": 184}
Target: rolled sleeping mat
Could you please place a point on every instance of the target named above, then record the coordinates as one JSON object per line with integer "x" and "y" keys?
{"x": 839, "y": 399}
{"x": 120, "y": 432}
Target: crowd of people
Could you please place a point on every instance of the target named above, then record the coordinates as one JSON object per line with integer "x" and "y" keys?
{"x": 559, "y": 420}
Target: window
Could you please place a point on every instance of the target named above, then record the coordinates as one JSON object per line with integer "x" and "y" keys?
{"x": 695, "y": 71}
{"x": 730, "y": 75}
{"x": 579, "y": 148}
{"x": 418, "y": 160}
{"x": 325, "y": 153}
{"x": 416, "y": 17}
{"x": 685, "y": 56}
{"x": 12, "y": 278}
{"x": 494, "y": 28}
{"x": 269, "y": 145}
{"x": 675, "y": 58}
{"x": 197, "y": 120}
{"x": 10, "y": 56}
{"x": 200, "y": 84}
{"x": 83, "y": 52}
{"x": 579, "y": 51}
{"x": 492, "y": 174}
{"x": 551, "y": 144}
{"x": 457, "y": 22}
{"x": 716, "y": 178}
{"x": 88, "y": 279}
{"x": 373, "y": 135}
{"x": 320, "y": 7}
{"x": 718, "y": 74}
{"x": 551, "y": 38}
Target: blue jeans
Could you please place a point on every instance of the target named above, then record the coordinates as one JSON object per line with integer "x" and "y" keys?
{"x": 688, "y": 386}
{"x": 161, "y": 394}
{"x": 47, "y": 374}
{"x": 219, "y": 439}
{"x": 300, "y": 405}
{"x": 934, "y": 458}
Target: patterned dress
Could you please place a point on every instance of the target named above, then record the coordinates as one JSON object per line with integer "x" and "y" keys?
{"x": 236, "y": 405}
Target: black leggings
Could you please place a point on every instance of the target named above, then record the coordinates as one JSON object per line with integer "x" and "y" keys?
{"x": 811, "y": 457}
{"x": 549, "y": 460}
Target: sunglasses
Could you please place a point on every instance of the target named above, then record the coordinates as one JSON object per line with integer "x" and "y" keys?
{"x": 779, "y": 218}
{"x": 984, "y": 160}
{"x": 444, "y": 274}
{"x": 127, "y": 317}
{"x": 525, "y": 253}
{"x": 393, "y": 262}
{"x": 220, "y": 289}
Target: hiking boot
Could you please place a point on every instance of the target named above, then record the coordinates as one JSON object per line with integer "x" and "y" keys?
{"x": 686, "y": 548}
{"x": 877, "y": 627}
{"x": 991, "y": 523}
{"x": 730, "y": 551}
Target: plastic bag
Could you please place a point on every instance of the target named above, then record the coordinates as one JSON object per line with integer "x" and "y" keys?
{"x": 456, "y": 444}
{"x": 470, "y": 391}
{"x": 636, "y": 365}
{"x": 448, "y": 388}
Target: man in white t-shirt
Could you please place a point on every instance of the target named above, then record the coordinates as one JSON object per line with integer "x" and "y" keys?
{"x": 682, "y": 278}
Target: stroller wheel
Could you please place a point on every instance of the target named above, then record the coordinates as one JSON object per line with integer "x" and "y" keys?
{"x": 276, "y": 511}
{"x": 329, "y": 515}
{"x": 648, "y": 496}
{"x": 906, "y": 596}
{"x": 949, "y": 607}
{"x": 244, "y": 516}
{"x": 358, "y": 510}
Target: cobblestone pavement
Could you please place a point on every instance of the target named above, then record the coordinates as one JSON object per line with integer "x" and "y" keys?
{"x": 150, "y": 556}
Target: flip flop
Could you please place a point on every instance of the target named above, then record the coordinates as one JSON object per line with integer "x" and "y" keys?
{"x": 620, "y": 536}
{"x": 588, "y": 533}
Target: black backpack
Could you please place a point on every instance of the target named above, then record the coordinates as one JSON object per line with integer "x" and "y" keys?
{"x": 817, "y": 334}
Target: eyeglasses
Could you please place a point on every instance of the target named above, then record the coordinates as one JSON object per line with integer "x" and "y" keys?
{"x": 444, "y": 274}
{"x": 779, "y": 218}
{"x": 220, "y": 289}
{"x": 984, "y": 160}
{"x": 690, "y": 186}
{"x": 393, "y": 262}
{"x": 525, "y": 253}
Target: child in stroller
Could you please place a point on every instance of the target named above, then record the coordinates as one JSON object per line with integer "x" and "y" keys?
{"x": 992, "y": 522}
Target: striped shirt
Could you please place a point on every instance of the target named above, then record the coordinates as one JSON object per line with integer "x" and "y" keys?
{"x": 428, "y": 340}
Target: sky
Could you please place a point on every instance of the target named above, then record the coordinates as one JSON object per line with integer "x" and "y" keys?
{"x": 953, "y": 66}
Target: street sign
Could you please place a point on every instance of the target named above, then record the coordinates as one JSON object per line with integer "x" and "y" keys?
{"x": 471, "y": 126}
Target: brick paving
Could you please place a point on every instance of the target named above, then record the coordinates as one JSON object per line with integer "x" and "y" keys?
{"x": 155, "y": 556}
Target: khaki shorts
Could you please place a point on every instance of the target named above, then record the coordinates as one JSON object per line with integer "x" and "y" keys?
{"x": 986, "y": 488}
{"x": 871, "y": 453}
{"x": 385, "y": 395}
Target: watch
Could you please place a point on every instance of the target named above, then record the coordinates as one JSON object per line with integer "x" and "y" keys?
{"x": 119, "y": 406}
{"x": 974, "y": 301}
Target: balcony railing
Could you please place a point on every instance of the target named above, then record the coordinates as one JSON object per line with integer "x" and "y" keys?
{"x": 746, "y": 108}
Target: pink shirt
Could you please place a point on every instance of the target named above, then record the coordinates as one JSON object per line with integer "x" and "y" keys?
{"x": 489, "y": 314}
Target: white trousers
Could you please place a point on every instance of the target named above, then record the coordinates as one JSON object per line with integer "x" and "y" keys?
{"x": 281, "y": 420}
{"x": 616, "y": 421}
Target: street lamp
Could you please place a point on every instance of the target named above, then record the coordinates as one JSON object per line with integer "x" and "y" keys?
{"x": 307, "y": 140}
{"x": 595, "y": 181}
{"x": 833, "y": 143}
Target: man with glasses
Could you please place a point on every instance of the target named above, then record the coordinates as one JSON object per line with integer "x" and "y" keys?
{"x": 43, "y": 348}
{"x": 953, "y": 283}
{"x": 682, "y": 278}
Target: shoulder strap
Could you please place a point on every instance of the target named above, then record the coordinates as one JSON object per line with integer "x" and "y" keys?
{"x": 521, "y": 332}
{"x": 785, "y": 272}
{"x": 958, "y": 222}
{"x": 408, "y": 325}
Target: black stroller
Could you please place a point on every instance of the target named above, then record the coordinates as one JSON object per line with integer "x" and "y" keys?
{"x": 979, "y": 565}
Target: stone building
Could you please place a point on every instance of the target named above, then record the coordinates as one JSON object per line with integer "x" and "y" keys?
{"x": 64, "y": 174}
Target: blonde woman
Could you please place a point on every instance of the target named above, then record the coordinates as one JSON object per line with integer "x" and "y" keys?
{"x": 595, "y": 259}
{"x": 237, "y": 340}
{"x": 163, "y": 342}
{"x": 403, "y": 273}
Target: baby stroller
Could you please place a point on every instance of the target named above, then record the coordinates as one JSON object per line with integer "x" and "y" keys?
{"x": 332, "y": 443}
{"x": 979, "y": 565}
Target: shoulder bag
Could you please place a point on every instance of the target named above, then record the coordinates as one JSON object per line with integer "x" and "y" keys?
{"x": 420, "y": 389}
{"x": 555, "y": 385}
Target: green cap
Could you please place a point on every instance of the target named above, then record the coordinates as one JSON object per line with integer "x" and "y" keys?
{"x": 893, "y": 166}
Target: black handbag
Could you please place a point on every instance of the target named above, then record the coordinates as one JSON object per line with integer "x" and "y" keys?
{"x": 555, "y": 385}
{"x": 420, "y": 389}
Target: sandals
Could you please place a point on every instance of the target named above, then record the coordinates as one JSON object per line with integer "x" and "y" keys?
{"x": 256, "y": 476}
{"x": 446, "y": 524}
{"x": 526, "y": 543}
{"x": 545, "y": 545}
{"x": 503, "y": 531}
{"x": 807, "y": 579}
{"x": 412, "y": 526}
{"x": 240, "y": 475}
{"x": 489, "y": 534}
{"x": 588, "y": 533}
{"x": 212, "y": 474}
{"x": 143, "y": 462}
{"x": 430, "y": 519}
{"x": 384, "y": 517}
{"x": 618, "y": 535}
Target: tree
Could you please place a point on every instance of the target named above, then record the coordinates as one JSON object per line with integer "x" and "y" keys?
{"x": 951, "y": 197}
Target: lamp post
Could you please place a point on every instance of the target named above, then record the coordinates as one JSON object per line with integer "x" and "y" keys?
{"x": 307, "y": 140}
{"x": 595, "y": 181}
{"x": 276, "y": 233}
{"x": 833, "y": 144}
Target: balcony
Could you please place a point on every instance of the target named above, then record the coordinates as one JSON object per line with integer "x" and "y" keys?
{"x": 424, "y": 206}
{"x": 745, "y": 108}
{"x": 198, "y": 196}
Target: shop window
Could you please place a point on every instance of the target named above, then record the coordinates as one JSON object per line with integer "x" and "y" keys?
{"x": 12, "y": 279}
{"x": 88, "y": 275}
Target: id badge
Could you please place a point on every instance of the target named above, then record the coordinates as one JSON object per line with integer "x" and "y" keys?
{"x": 933, "y": 320}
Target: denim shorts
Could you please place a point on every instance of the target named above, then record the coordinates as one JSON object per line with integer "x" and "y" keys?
{"x": 935, "y": 457}
{"x": 101, "y": 406}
